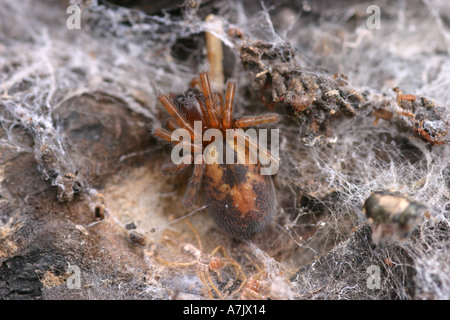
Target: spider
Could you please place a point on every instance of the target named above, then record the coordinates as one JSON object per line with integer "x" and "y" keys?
{"x": 208, "y": 265}
{"x": 239, "y": 198}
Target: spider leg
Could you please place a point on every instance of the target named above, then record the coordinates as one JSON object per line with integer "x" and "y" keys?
{"x": 195, "y": 83}
{"x": 228, "y": 108}
{"x": 182, "y": 122}
{"x": 211, "y": 283}
{"x": 167, "y": 136}
{"x": 230, "y": 261}
{"x": 206, "y": 87}
{"x": 202, "y": 276}
{"x": 218, "y": 106}
{"x": 175, "y": 264}
{"x": 172, "y": 125}
{"x": 251, "y": 144}
{"x": 247, "y": 142}
{"x": 194, "y": 183}
{"x": 221, "y": 248}
{"x": 163, "y": 134}
{"x": 197, "y": 236}
{"x": 171, "y": 168}
{"x": 254, "y": 121}
{"x": 243, "y": 277}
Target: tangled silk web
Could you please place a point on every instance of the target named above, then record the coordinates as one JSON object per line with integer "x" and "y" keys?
{"x": 130, "y": 55}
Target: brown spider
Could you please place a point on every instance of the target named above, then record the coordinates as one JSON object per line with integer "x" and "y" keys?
{"x": 239, "y": 198}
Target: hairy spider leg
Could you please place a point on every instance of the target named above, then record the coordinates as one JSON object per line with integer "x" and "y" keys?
{"x": 172, "y": 125}
{"x": 218, "y": 107}
{"x": 167, "y": 136}
{"x": 256, "y": 120}
{"x": 227, "y": 122}
{"x": 195, "y": 182}
{"x": 206, "y": 87}
{"x": 175, "y": 113}
{"x": 246, "y": 141}
{"x": 227, "y": 119}
{"x": 172, "y": 168}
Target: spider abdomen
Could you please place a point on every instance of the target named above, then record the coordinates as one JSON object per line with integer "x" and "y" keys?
{"x": 239, "y": 199}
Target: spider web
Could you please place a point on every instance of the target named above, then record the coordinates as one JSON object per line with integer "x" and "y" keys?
{"x": 132, "y": 55}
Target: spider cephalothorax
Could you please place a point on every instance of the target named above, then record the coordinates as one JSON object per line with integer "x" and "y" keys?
{"x": 239, "y": 198}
